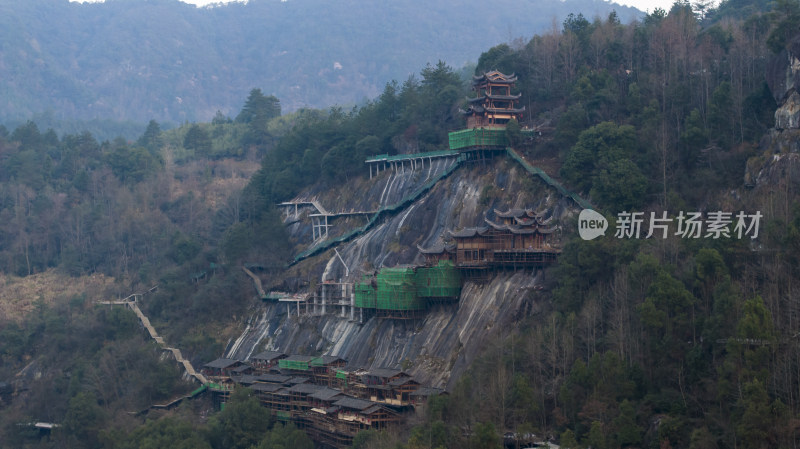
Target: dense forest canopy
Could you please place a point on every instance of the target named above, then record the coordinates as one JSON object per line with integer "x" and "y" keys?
{"x": 643, "y": 343}
{"x": 132, "y": 61}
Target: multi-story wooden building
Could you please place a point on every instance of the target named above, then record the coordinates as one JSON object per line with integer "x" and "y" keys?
{"x": 494, "y": 106}
{"x": 521, "y": 239}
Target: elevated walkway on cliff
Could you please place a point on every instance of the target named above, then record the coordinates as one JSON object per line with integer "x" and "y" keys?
{"x": 462, "y": 143}
{"x": 379, "y": 214}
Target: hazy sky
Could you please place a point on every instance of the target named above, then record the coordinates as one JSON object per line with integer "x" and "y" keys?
{"x": 644, "y": 5}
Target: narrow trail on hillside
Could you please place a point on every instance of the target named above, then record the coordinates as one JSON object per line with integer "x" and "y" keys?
{"x": 131, "y": 302}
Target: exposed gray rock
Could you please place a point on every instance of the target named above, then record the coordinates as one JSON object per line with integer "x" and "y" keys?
{"x": 787, "y": 116}
{"x": 777, "y": 169}
{"x": 439, "y": 347}
{"x": 783, "y": 72}
{"x": 781, "y": 145}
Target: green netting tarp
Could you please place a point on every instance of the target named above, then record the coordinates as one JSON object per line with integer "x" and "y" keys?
{"x": 283, "y": 416}
{"x": 397, "y": 290}
{"x": 478, "y": 137}
{"x": 440, "y": 281}
{"x": 341, "y": 374}
{"x": 293, "y": 364}
{"x": 550, "y": 181}
{"x": 364, "y": 292}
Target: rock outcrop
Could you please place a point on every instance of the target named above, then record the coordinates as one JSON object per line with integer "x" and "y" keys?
{"x": 783, "y": 79}
{"x": 781, "y": 145}
{"x": 437, "y": 348}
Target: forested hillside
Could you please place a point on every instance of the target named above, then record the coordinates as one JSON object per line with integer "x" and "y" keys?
{"x": 133, "y": 61}
{"x": 631, "y": 342}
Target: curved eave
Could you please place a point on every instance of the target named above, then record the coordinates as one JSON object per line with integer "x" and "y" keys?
{"x": 507, "y": 111}
{"x": 495, "y": 97}
{"x": 494, "y": 77}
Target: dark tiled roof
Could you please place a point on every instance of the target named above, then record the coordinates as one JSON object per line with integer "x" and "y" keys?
{"x": 328, "y": 359}
{"x": 268, "y": 355}
{"x": 353, "y": 403}
{"x": 495, "y": 77}
{"x": 267, "y": 388}
{"x": 375, "y": 408}
{"x": 386, "y": 372}
{"x": 296, "y": 380}
{"x": 519, "y": 230}
{"x": 221, "y": 363}
{"x": 241, "y": 368}
{"x": 299, "y": 358}
{"x": 511, "y": 213}
{"x": 494, "y": 97}
{"x": 427, "y": 391}
{"x": 403, "y": 381}
{"x": 325, "y": 394}
{"x": 246, "y": 379}
{"x": 273, "y": 378}
{"x": 438, "y": 248}
{"x": 469, "y": 232}
{"x": 305, "y": 388}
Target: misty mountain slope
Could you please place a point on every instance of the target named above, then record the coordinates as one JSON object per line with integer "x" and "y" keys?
{"x": 172, "y": 62}
{"x": 439, "y": 347}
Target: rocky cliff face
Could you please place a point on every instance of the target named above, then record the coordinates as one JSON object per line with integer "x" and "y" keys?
{"x": 781, "y": 146}
{"x": 783, "y": 78}
{"x": 439, "y": 347}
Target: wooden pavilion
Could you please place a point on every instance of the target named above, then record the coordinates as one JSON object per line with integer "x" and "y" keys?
{"x": 494, "y": 106}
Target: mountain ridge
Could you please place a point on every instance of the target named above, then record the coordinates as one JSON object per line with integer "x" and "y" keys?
{"x": 173, "y": 62}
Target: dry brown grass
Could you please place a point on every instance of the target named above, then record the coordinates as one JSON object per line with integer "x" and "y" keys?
{"x": 19, "y": 295}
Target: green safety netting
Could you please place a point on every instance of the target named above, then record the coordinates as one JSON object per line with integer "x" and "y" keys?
{"x": 385, "y": 210}
{"x": 293, "y": 364}
{"x": 457, "y": 137}
{"x": 365, "y": 295}
{"x": 408, "y": 157}
{"x": 440, "y": 281}
{"x": 547, "y": 179}
{"x": 478, "y": 137}
{"x": 397, "y": 290}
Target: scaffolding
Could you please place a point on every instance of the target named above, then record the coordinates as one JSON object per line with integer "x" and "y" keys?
{"x": 397, "y": 293}
{"x": 478, "y": 137}
{"x": 300, "y": 365}
{"x": 440, "y": 282}
{"x": 365, "y": 295}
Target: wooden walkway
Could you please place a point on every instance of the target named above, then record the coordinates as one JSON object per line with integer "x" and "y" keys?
{"x": 131, "y": 302}
{"x": 256, "y": 283}
{"x": 319, "y": 220}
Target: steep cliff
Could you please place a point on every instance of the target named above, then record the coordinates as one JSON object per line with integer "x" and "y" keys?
{"x": 781, "y": 145}
{"x": 439, "y": 347}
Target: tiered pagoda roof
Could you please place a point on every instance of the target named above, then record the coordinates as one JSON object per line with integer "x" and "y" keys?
{"x": 495, "y": 105}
